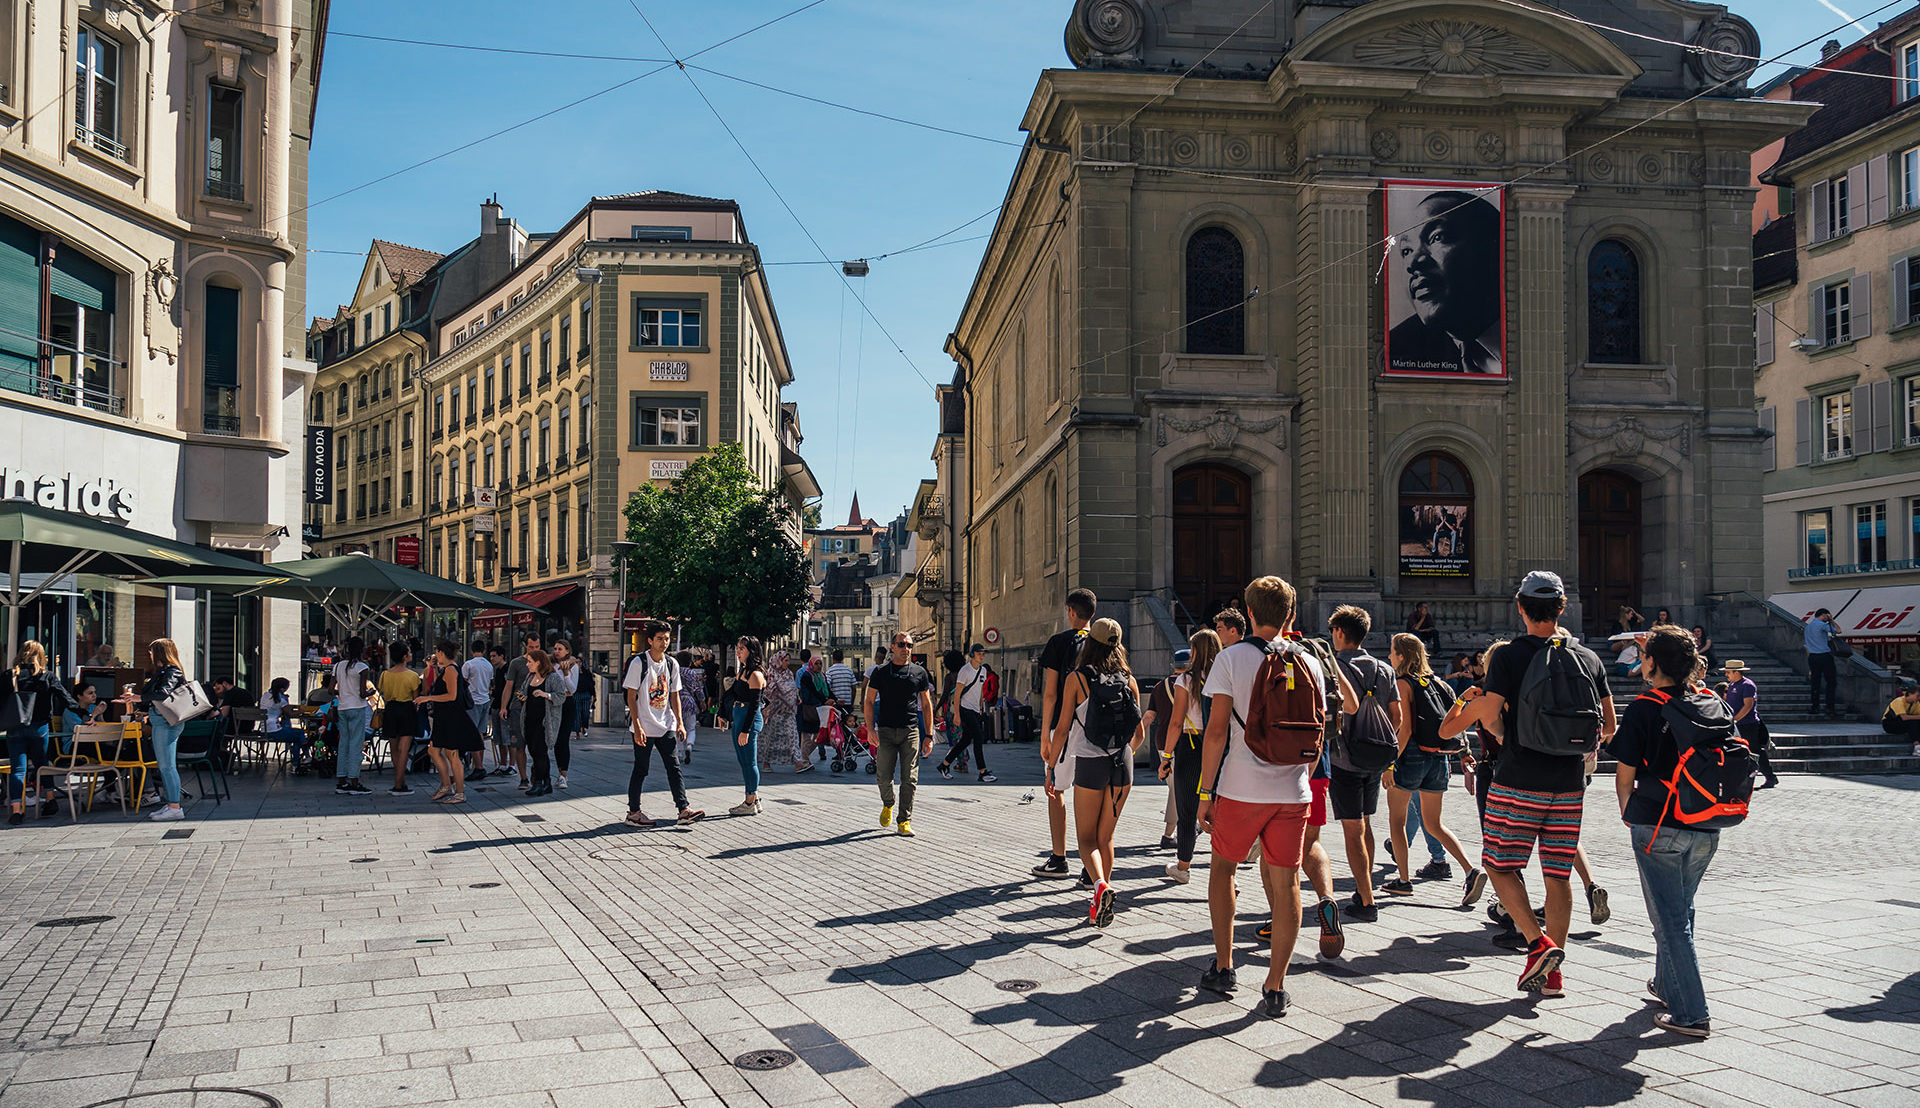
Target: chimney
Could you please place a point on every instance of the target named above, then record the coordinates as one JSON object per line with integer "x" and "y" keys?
{"x": 1829, "y": 48}
{"x": 490, "y": 212}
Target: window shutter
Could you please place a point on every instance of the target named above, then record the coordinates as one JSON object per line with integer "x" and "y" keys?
{"x": 1817, "y": 201}
{"x": 1901, "y": 313}
{"x": 82, "y": 280}
{"x": 1862, "y": 398}
{"x": 1881, "y": 415}
{"x": 1877, "y": 189}
{"x": 19, "y": 305}
{"x": 1862, "y": 306}
{"x": 1762, "y": 334}
{"x": 1816, "y": 322}
{"x": 1770, "y": 448}
{"x": 1803, "y": 431}
{"x": 1857, "y": 197}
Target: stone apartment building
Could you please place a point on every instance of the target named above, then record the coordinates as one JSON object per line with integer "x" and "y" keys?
{"x": 1178, "y": 356}
{"x": 153, "y": 185}
{"x": 1837, "y": 325}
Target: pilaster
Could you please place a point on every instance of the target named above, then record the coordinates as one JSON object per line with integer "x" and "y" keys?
{"x": 1538, "y": 520}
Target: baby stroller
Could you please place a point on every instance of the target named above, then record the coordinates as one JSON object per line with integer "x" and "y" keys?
{"x": 847, "y": 743}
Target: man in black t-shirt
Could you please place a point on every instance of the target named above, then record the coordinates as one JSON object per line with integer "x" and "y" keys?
{"x": 1057, "y": 660}
{"x": 899, "y": 696}
{"x": 1536, "y": 796}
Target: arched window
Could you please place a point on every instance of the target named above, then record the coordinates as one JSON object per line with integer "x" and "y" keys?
{"x": 1436, "y": 503}
{"x": 319, "y": 406}
{"x": 993, "y": 558}
{"x": 1020, "y": 381}
{"x": 1216, "y": 313}
{"x": 1051, "y": 525}
{"x": 1019, "y": 540}
{"x": 1056, "y": 325}
{"x": 1613, "y": 304}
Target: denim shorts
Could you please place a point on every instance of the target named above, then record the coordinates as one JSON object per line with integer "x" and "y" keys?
{"x": 1419, "y": 772}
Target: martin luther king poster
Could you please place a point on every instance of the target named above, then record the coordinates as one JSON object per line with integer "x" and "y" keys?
{"x": 1445, "y": 280}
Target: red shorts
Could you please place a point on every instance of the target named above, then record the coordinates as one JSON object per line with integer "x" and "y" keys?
{"x": 1281, "y": 830}
{"x": 1317, "y": 814}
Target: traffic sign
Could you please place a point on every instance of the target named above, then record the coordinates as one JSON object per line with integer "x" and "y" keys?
{"x": 991, "y": 637}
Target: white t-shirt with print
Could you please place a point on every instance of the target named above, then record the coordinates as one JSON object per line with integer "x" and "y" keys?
{"x": 973, "y": 682}
{"x": 658, "y": 684}
{"x": 1244, "y": 777}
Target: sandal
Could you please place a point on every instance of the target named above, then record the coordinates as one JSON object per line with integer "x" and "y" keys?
{"x": 456, "y": 798}
{"x": 441, "y": 795}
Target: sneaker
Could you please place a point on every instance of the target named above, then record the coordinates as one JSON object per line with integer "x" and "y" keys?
{"x": 987, "y": 778}
{"x": 354, "y": 788}
{"x": 1054, "y": 866}
{"x": 639, "y": 818}
{"x": 15, "y": 819}
{"x": 1435, "y": 871}
{"x": 1553, "y": 985}
{"x": 1699, "y": 1030}
{"x": 1178, "y": 874}
{"x": 1653, "y": 990}
{"x": 339, "y": 786}
{"x": 1476, "y": 887}
{"x": 561, "y": 783}
{"x": 1265, "y": 934}
{"x": 745, "y": 808}
{"x": 946, "y": 771}
{"x": 1364, "y": 913}
{"x": 510, "y": 771}
{"x": 164, "y": 815}
{"x": 1332, "y": 940}
{"x": 1217, "y": 980}
{"x": 1273, "y": 1003}
{"x": 1086, "y": 879}
{"x": 1597, "y": 909}
{"x": 1543, "y": 957}
{"x": 400, "y": 790}
{"x": 906, "y": 828}
{"x": 1167, "y": 843}
{"x": 481, "y": 775}
{"x": 1103, "y": 899}
{"x": 692, "y": 815}
{"x": 886, "y": 816}
{"x": 1398, "y": 888}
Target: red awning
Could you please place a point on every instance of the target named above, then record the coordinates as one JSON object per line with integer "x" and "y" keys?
{"x": 493, "y": 619}
{"x": 540, "y": 598}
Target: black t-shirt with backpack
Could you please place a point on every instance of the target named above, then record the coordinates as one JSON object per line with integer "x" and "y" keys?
{"x": 1656, "y": 731}
{"x": 1368, "y": 743}
{"x": 1520, "y": 766}
{"x": 1113, "y": 712}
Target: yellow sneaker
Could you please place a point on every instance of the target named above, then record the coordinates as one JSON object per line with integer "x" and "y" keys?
{"x": 886, "y": 816}
{"x": 906, "y": 828}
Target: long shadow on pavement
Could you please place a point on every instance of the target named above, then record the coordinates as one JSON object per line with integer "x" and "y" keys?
{"x": 1899, "y": 1004}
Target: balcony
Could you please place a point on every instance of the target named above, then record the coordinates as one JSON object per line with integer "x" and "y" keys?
{"x": 542, "y": 472}
{"x": 526, "y": 388}
{"x": 386, "y": 507}
{"x": 221, "y": 188}
{"x": 359, "y": 459}
{"x": 111, "y": 147}
{"x": 472, "y": 419}
{"x": 406, "y": 502}
{"x": 586, "y": 353}
{"x": 1903, "y": 565}
{"x": 561, "y": 462}
{"x": 580, "y": 453}
{"x": 466, "y": 499}
{"x": 227, "y": 425}
{"x": 566, "y": 367}
{"x": 96, "y": 387}
{"x": 487, "y": 411}
{"x": 545, "y": 380}
{"x": 439, "y": 433}
{"x": 525, "y": 479}
{"x": 406, "y": 444}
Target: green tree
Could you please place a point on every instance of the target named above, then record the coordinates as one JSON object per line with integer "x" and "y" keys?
{"x": 713, "y": 551}
{"x": 810, "y": 517}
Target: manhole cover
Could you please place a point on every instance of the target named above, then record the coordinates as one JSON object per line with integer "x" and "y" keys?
{"x": 484, "y": 885}
{"x": 764, "y": 1060}
{"x": 198, "y": 1098}
{"x": 72, "y": 921}
{"x": 531, "y": 819}
{"x": 363, "y": 859}
{"x": 1017, "y": 985}
{"x": 179, "y": 833}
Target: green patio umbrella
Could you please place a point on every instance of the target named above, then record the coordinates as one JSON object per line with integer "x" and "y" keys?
{"x": 353, "y": 588}
{"x": 36, "y": 540}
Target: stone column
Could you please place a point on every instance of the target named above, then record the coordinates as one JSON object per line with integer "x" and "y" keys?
{"x": 1729, "y": 556}
{"x": 1539, "y": 525}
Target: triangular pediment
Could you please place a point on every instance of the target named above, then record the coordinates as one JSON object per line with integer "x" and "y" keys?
{"x": 1463, "y": 38}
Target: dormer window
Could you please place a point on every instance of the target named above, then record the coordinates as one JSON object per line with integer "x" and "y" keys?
{"x": 1908, "y": 86}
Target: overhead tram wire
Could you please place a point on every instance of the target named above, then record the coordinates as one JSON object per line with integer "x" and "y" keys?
{"x": 860, "y": 111}
{"x": 775, "y": 189}
{"x": 554, "y": 111}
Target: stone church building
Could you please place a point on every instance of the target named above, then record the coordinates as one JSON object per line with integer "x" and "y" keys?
{"x": 1398, "y": 299}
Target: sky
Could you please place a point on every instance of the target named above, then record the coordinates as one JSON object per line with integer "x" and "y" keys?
{"x": 858, "y": 186}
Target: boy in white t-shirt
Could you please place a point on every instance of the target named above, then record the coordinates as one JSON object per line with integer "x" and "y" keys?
{"x": 1244, "y": 800}
{"x": 652, "y": 684}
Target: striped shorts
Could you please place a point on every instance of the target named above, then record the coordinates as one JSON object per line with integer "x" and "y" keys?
{"x": 1515, "y": 818}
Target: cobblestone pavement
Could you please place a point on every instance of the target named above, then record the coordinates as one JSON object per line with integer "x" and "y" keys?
{"x": 341, "y": 951}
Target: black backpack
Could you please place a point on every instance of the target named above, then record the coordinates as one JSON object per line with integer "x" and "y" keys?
{"x": 1323, "y": 653}
{"x": 1432, "y": 699}
{"x": 1368, "y": 743}
{"x": 1712, "y": 780}
{"x": 1113, "y": 715}
{"x": 1558, "y": 705}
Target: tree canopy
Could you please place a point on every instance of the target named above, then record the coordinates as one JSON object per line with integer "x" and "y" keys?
{"x": 713, "y": 552}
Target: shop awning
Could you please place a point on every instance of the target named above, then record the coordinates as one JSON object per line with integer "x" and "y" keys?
{"x": 497, "y": 619}
{"x": 1802, "y": 605}
{"x": 1883, "y": 616}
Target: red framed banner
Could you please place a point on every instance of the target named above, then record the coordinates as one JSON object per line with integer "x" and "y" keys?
{"x": 1446, "y": 280}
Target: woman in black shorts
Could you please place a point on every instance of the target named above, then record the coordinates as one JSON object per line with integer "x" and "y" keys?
{"x": 1102, "y": 764}
{"x": 454, "y": 736}
{"x": 400, "y": 719}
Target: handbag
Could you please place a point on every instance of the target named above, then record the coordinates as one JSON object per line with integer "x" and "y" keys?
{"x": 1841, "y": 647}
{"x": 16, "y": 711}
{"x": 189, "y": 701}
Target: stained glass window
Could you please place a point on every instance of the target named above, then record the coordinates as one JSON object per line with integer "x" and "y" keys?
{"x": 1216, "y": 293}
{"x": 1613, "y": 304}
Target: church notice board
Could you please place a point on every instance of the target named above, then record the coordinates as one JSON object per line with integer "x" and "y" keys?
{"x": 1445, "y": 280}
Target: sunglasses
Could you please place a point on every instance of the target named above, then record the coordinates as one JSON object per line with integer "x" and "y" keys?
{"x": 903, "y": 646}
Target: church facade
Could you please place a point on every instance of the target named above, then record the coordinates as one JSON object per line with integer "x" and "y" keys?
{"x": 1397, "y": 299}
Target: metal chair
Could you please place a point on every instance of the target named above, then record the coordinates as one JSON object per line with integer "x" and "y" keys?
{"x": 199, "y": 747}
{"x": 137, "y": 760}
{"x": 107, "y": 740}
{"x": 245, "y": 736}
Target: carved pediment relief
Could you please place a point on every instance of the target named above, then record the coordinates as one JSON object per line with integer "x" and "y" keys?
{"x": 1463, "y": 38}
{"x": 1452, "y": 46}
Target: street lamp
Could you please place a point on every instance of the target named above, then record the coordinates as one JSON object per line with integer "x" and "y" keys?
{"x": 621, "y": 551}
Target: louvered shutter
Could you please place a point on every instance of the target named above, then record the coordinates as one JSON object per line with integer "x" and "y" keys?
{"x": 1902, "y": 308}
{"x": 1770, "y": 448}
{"x": 1762, "y": 334}
{"x": 1880, "y": 415}
{"x": 1862, "y": 429}
{"x": 1857, "y": 197}
{"x": 1877, "y": 189}
{"x": 1817, "y": 201}
{"x": 1816, "y": 323}
{"x": 1803, "y": 431}
{"x": 1862, "y": 305}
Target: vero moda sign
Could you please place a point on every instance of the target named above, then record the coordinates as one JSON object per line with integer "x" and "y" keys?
{"x": 319, "y": 465}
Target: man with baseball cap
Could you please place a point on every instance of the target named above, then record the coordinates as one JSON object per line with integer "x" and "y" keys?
{"x": 970, "y": 684}
{"x": 1743, "y": 700}
{"x": 1536, "y": 796}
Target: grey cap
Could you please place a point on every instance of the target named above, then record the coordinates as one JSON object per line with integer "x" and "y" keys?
{"x": 1183, "y": 657}
{"x": 1542, "y": 583}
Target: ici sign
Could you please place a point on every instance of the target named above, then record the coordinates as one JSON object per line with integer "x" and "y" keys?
{"x": 101, "y": 497}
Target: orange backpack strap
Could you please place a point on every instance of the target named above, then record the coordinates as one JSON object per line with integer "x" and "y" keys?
{"x": 1655, "y": 695}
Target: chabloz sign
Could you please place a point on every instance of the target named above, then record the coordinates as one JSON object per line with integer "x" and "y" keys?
{"x": 101, "y": 497}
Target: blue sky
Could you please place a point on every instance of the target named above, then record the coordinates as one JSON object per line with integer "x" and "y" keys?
{"x": 861, "y": 186}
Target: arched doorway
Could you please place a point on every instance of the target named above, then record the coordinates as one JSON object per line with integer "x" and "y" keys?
{"x": 1435, "y": 526}
{"x": 1212, "y": 537}
{"x": 1609, "y": 546}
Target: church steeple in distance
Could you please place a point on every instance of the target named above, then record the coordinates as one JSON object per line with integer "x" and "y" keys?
{"x": 854, "y": 519}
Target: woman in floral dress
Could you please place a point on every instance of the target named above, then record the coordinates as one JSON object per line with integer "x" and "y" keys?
{"x": 781, "y": 738}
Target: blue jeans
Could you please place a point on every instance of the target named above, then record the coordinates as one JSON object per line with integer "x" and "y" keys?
{"x": 353, "y": 742}
{"x": 1669, "y": 876}
{"x": 27, "y": 745}
{"x": 166, "y": 747}
{"x": 749, "y": 753}
{"x": 1415, "y": 827}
